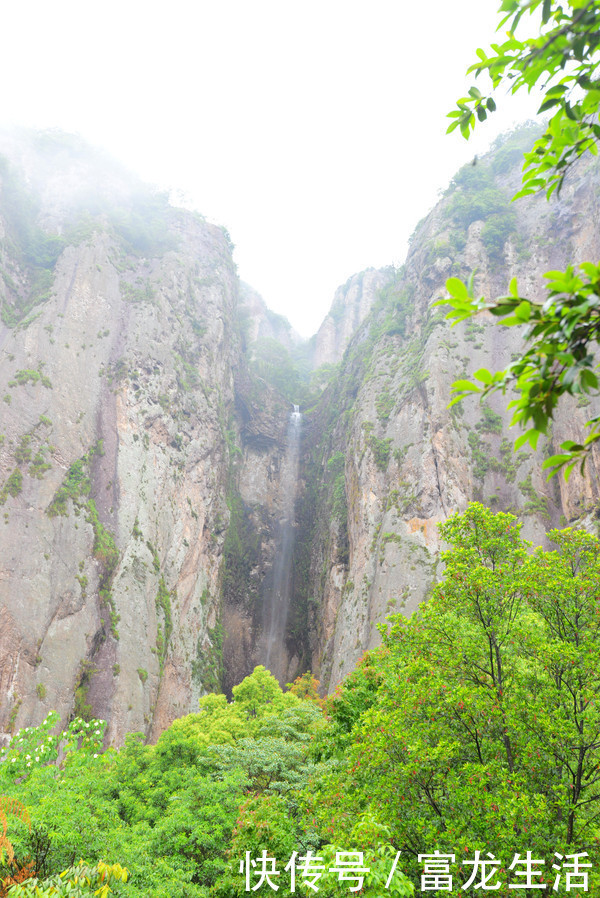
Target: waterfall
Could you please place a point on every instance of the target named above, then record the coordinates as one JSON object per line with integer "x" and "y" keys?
{"x": 278, "y": 600}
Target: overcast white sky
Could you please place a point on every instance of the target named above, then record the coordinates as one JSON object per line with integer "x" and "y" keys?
{"x": 314, "y": 131}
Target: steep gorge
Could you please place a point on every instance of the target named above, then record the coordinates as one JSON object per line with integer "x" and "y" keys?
{"x": 148, "y": 469}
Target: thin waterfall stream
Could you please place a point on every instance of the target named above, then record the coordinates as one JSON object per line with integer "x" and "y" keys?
{"x": 277, "y": 602}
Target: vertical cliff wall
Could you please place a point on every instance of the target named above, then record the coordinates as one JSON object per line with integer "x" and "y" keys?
{"x": 139, "y": 471}
{"x": 391, "y": 460}
{"x": 351, "y": 305}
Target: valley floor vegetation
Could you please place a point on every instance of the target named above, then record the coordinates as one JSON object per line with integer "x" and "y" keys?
{"x": 473, "y": 731}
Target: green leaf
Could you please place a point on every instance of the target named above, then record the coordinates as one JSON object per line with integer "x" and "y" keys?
{"x": 571, "y": 446}
{"x": 465, "y": 386}
{"x": 457, "y": 289}
{"x": 567, "y": 470}
{"x": 483, "y": 375}
{"x": 548, "y": 104}
{"x": 530, "y": 436}
{"x": 588, "y": 379}
{"x": 556, "y": 460}
{"x": 546, "y": 10}
{"x": 523, "y": 311}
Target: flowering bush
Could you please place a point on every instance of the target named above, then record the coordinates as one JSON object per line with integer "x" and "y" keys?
{"x": 38, "y": 746}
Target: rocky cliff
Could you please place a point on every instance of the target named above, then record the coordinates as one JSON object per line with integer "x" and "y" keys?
{"x": 351, "y": 305}
{"x": 147, "y": 480}
{"x": 129, "y": 421}
{"x": 392, "y": 460}
{"x": 261, "y": 323}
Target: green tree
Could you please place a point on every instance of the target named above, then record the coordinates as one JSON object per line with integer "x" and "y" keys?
{"x": 260, "y": 694}
{"x": 560, "y": 333}
{"x": 484, "y": 732}
{"x": 159, "y": 811}
{"x": 564, "y": 652}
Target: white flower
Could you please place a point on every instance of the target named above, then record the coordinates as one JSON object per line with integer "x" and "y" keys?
{"x": 95, "y": 756}
{"x": 14, "y": 760}
{"x": 29, "y": 763}
{"x": 37, "y": 759}
{"x": 27, "y": 756}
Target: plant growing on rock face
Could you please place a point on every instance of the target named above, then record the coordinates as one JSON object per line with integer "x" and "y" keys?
{"x": 474, "y": 196}
{"x": 75, "y": 485}
{"x": 86, "y": 672}
{"x": 12, "y": 487}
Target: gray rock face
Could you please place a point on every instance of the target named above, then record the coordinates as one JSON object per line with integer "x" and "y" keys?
{"x": 409, "y": 461}
{"x": 140, "y": 397}
{"x": 264, "y": 324}
{"x": 127, "y": 408}
{"x": 351, "y": 305}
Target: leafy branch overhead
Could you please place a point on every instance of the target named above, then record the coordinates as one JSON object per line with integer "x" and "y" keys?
{"x": 562, "y": 60}
{"x": 561, "y": 332}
